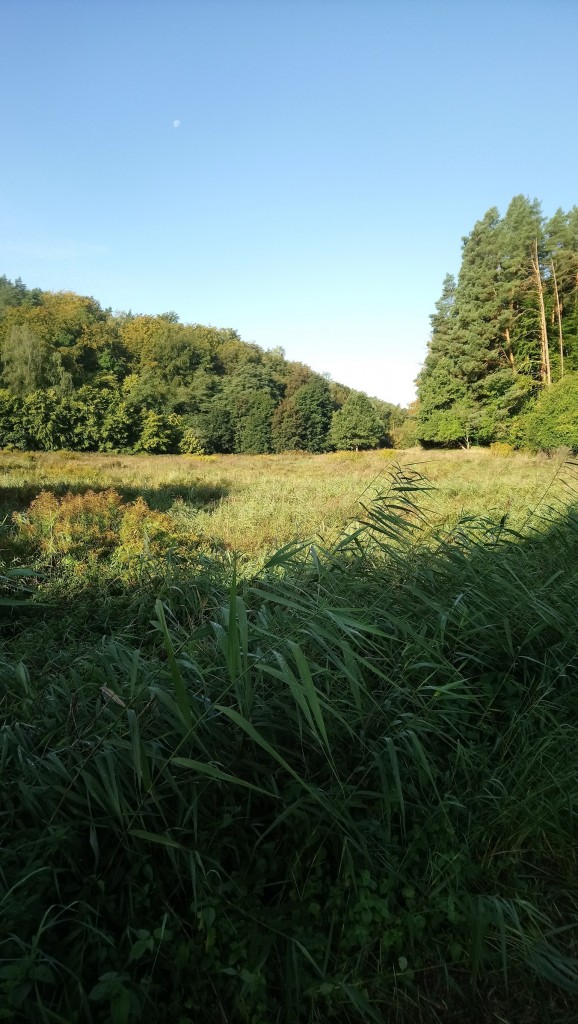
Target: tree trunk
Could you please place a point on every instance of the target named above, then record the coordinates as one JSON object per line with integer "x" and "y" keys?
{"x": 559, "y": 313}
{"x": 509, "y": 353}
{"x": 545, "y": 372}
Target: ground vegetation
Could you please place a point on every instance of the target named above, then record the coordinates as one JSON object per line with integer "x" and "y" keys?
{"x": 333, "y": 784}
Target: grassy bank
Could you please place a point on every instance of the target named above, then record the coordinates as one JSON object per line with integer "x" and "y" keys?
{"x": 342, "y": 789}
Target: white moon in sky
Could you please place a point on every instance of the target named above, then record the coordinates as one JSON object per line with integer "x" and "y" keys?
{"x": 176, "y": 123}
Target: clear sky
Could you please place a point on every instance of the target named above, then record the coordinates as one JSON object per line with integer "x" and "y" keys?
{"x": 300, "y": 170}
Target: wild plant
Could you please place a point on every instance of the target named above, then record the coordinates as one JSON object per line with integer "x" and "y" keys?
{"x": 338, "y": 790}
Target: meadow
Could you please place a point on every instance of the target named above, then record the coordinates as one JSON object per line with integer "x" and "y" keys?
{"x": 289, "y": 738}
{"x": 252, "y": 505}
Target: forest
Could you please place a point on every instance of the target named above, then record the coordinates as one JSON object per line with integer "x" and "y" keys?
{"x": 77, "y": 377}
{"x": 501, "y": 366}
{"x": 502, "y": 360}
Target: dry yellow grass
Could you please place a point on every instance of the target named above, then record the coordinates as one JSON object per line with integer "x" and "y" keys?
{"x": 253, "y": 504}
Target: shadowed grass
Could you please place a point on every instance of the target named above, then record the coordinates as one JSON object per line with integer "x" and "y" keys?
{"x": 342, "y": 789}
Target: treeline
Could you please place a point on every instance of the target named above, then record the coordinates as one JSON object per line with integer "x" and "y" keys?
{"x": 502, "y": 361}
{"x": 76, "y": 376}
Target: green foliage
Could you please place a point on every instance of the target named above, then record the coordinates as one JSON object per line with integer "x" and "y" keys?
{"x": 552, "y": 421}
{"x": 190, "y": 443}
{"x": 48, "y": 419}
{"x": 91, "y": 381}
{"x": 15, "y": 293}
{"x": 159, "y": 433}
{"x": 404, "y": 429}
{"x": 216, "y": 427}
{"x": 313, "y": 402}
{"x": 303, "y": 419}
{"x": 288, "y": 426}
{"x": 28, "y": 362}
{"x": 12, "y": 433}
{"x": 356, "y": 425}
{"x": 490, "y": 346}
{"x": 253, "y": 431}
{"x": 337, "y": 791}
{"x": 86, "y": 419}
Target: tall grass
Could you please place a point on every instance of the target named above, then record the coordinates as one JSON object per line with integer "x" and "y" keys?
{"x": 343, "y": 789}
{"x": 256, "y": 504}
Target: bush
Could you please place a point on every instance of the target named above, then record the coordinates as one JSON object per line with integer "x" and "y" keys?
{"x": 501, "y": 449}
{"x": 86, "y": 527}
{"x": 190, "y": 444}
{"x": 144, "y": 531}
{"x": 552, "y": 422}
{"x": 83, "y": 525}
{"x": 406, "y": 434}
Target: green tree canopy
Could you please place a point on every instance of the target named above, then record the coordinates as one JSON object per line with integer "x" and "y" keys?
{"x": 303, "y": 419}
{"x": 76, "y": 375}
{"x": 356, "y": 425}
{"x": 552, "y": 420}
{"x": 507, "y": 327}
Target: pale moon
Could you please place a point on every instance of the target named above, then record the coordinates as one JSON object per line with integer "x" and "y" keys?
{"x": 176, "y": 123}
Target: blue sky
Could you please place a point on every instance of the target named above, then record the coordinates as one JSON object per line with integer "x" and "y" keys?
{"x": 300, "y": 170}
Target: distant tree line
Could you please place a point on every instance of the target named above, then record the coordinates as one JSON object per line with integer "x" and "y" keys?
{"x": 502, "y": 361}
{"x": 76, "y": 376}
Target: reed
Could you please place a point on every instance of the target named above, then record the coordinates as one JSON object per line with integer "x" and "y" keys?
{"x": 340, "y": 788}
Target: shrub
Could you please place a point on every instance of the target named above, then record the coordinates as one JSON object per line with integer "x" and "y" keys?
{"x": 501, "y": 449}
{"x": 552, "y": 422}
{"x": 405, "y": 435}
{"x": 82, "y": 525}
{"x": 190, "y": 443}
{"x": 94, "y": 524}
{"x": 145, "y": 531}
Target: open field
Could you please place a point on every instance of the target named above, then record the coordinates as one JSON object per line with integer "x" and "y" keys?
{"x": 338, "y": 787}
{"x": 255, "y": 504}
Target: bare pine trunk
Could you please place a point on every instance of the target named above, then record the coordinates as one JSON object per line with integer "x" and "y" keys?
{"x": 559, "y": 313}
{"x": 509, "y": 352}
{"x": 545, "y": 372}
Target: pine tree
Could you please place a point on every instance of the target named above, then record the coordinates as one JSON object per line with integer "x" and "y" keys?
{"x": 439, "y": 384}
{"x": 489, "y": 336}
{"x": 448, "y": 409}
{"x": 478, "y": 349}
{"x": 521, "y": 243}
{"x": 561, "y": 243}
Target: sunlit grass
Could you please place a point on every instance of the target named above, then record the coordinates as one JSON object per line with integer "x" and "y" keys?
{"x": 253, "y": 504}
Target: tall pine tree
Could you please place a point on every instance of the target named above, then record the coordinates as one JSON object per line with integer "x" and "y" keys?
{"x": 490, "y": 343}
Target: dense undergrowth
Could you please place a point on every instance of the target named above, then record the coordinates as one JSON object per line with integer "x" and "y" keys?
{"x": 343, "y": 789}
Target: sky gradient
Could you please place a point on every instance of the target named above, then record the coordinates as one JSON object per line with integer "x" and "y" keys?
{"x": 300, "y": 170}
